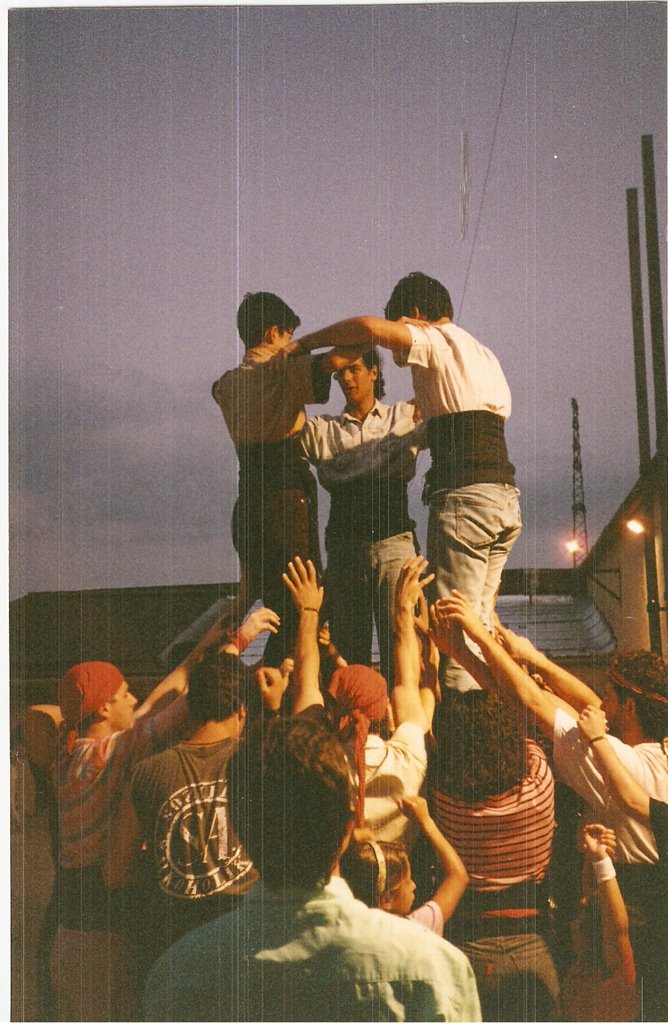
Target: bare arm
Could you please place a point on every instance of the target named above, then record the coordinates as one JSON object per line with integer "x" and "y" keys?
{"x": 302, "y": 582}
{"x": 565, "y": 685}
{"x": 629, "y": 792}
{"x": 359, "y": 332}
{"x": 599, "y": 843}
{"x": 500, "y": 672}
{"x": 455, "y": 875}
{"x": 406, "y": 703}
{"x": 176, "y": 682}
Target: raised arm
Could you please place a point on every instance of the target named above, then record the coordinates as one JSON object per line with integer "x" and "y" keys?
{"x": 455, "y": 875}
{"x": 263, "y": 620}
{"x": 302, "y": 582}
{"x": 565, "y": 685}
{"x": 499, "y": 671}
{"x": 599, "y": 843}
{"x": 593, "y": 726}
{"x": 406, "y": 702}
{"x": 359, "y": 332}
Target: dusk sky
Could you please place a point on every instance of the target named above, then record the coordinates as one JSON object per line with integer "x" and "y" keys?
{"x": 164, "y": 161}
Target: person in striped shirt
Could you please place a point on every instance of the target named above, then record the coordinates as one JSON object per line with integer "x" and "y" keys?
{"x": 492, "y": 797}
{"x": 104, "y": 735}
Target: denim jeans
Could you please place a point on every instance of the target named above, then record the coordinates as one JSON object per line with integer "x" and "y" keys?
{"x": 360, "y": 581}
{"x": 516, "y": 978}
{"x": 470, "y": 534}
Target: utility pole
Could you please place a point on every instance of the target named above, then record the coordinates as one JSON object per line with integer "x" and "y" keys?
{"x": 579, "y": 546}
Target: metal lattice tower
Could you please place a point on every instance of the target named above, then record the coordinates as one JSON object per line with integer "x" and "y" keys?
{"x": 580, "y": 546}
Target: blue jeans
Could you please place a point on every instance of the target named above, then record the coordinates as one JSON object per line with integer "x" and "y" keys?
{"x": 470, "y": 534}
{"x": 360, "y": 581}
{"x": 516, "y": 978}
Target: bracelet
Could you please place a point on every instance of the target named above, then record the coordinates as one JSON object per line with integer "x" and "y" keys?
{"x": 595, "y": 739}
{"x": 604, "y": 870}
{"x": 306, "y": 609}
{"x": 239, "y": 641}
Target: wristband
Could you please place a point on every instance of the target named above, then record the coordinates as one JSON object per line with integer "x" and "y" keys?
{"x": 239, "y": 641}
{"x": 604, "y": 870}
{"x": 595, "y": 739}
{"x": 305, "y": 609}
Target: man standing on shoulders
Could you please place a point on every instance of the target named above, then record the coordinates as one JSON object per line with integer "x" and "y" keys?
{"x": 365, "y": 458}
{"x": 262, "y": 400}
{"x": 462, "y": 394}
{"x": 302, "y": 947}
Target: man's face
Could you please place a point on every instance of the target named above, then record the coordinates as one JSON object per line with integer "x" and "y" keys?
{"x": 613, "y": 709}
{"x": 356, "y": 382}
{"x": 121, "y": 708}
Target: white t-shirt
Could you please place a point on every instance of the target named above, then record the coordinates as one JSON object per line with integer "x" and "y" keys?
{"x": 394, "y": 768}
{"x": 452, "y": 372}
{"x": 575, "y": 765}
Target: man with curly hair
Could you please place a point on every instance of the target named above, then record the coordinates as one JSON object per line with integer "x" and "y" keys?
{"x": 635, "y": 706}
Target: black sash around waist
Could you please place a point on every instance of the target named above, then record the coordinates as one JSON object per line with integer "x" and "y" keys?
{"x": 467, "y": 448}
{"x": 275, "y": 466}
{"x": 371, "y": 508}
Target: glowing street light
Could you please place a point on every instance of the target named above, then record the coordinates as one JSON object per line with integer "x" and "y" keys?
{"x": 572, "y": 547}
{"x": 635, "y": 526}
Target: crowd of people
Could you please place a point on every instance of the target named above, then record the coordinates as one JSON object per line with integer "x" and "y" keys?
{"x": 314, "y": 839}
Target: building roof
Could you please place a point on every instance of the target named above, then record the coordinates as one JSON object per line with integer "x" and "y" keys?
{"x": 564, "y": 627}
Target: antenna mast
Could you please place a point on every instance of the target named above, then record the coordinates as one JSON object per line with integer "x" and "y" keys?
{"x": 579, "y": 545}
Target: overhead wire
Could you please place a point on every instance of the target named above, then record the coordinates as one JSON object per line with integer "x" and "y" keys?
{"x": 489, "y": 161}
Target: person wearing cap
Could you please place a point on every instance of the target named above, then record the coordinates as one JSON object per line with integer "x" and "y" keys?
{"x": 635, "y": 706}
{"x": 103, "y": 735}
{"x": 388, "y": 767}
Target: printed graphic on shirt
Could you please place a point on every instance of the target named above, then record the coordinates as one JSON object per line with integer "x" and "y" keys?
{"x": 196, "y": 850}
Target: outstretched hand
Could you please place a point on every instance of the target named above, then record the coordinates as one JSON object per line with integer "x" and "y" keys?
{"x": 447, "y": 633}
{"x": 459, "y": 609}
{"x": 302, "y": 582}
{"x": 262, "y": 620}
{"x": 409, "y": 585}
{"x": 519, "y": 647}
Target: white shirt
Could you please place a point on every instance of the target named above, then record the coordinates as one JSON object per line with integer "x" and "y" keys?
{"x": 452, "y": 372}
{"x": 344, "y": 448}
{"x": 394, "y": 768}
{"x": 647, "y": 763}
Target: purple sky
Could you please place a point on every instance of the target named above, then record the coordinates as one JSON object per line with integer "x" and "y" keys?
{"x": 165, "y": 161}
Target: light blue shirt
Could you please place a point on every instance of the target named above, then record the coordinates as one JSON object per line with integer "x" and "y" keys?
{"x": 311, "y": 955}
{"x": 386, "y": 442}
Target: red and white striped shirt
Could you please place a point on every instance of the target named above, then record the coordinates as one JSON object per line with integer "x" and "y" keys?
{"x": 89, "y": 785}
{"x": 505, "y": 839}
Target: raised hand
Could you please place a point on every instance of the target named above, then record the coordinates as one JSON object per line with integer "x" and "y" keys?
{"x": 415, "y": 808}
{"x": 410, "y": 585}
{"x": 592, "y": 722}
{"x": 447, "y": 633}
{"x": 598, "y": 841}
{"x": 519, "y": 648}
{"x": 262, "y": 620}
{"x": 458, "y": 609}
{"x": 302, "y": 582}
{"x": 272, "y": 684}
